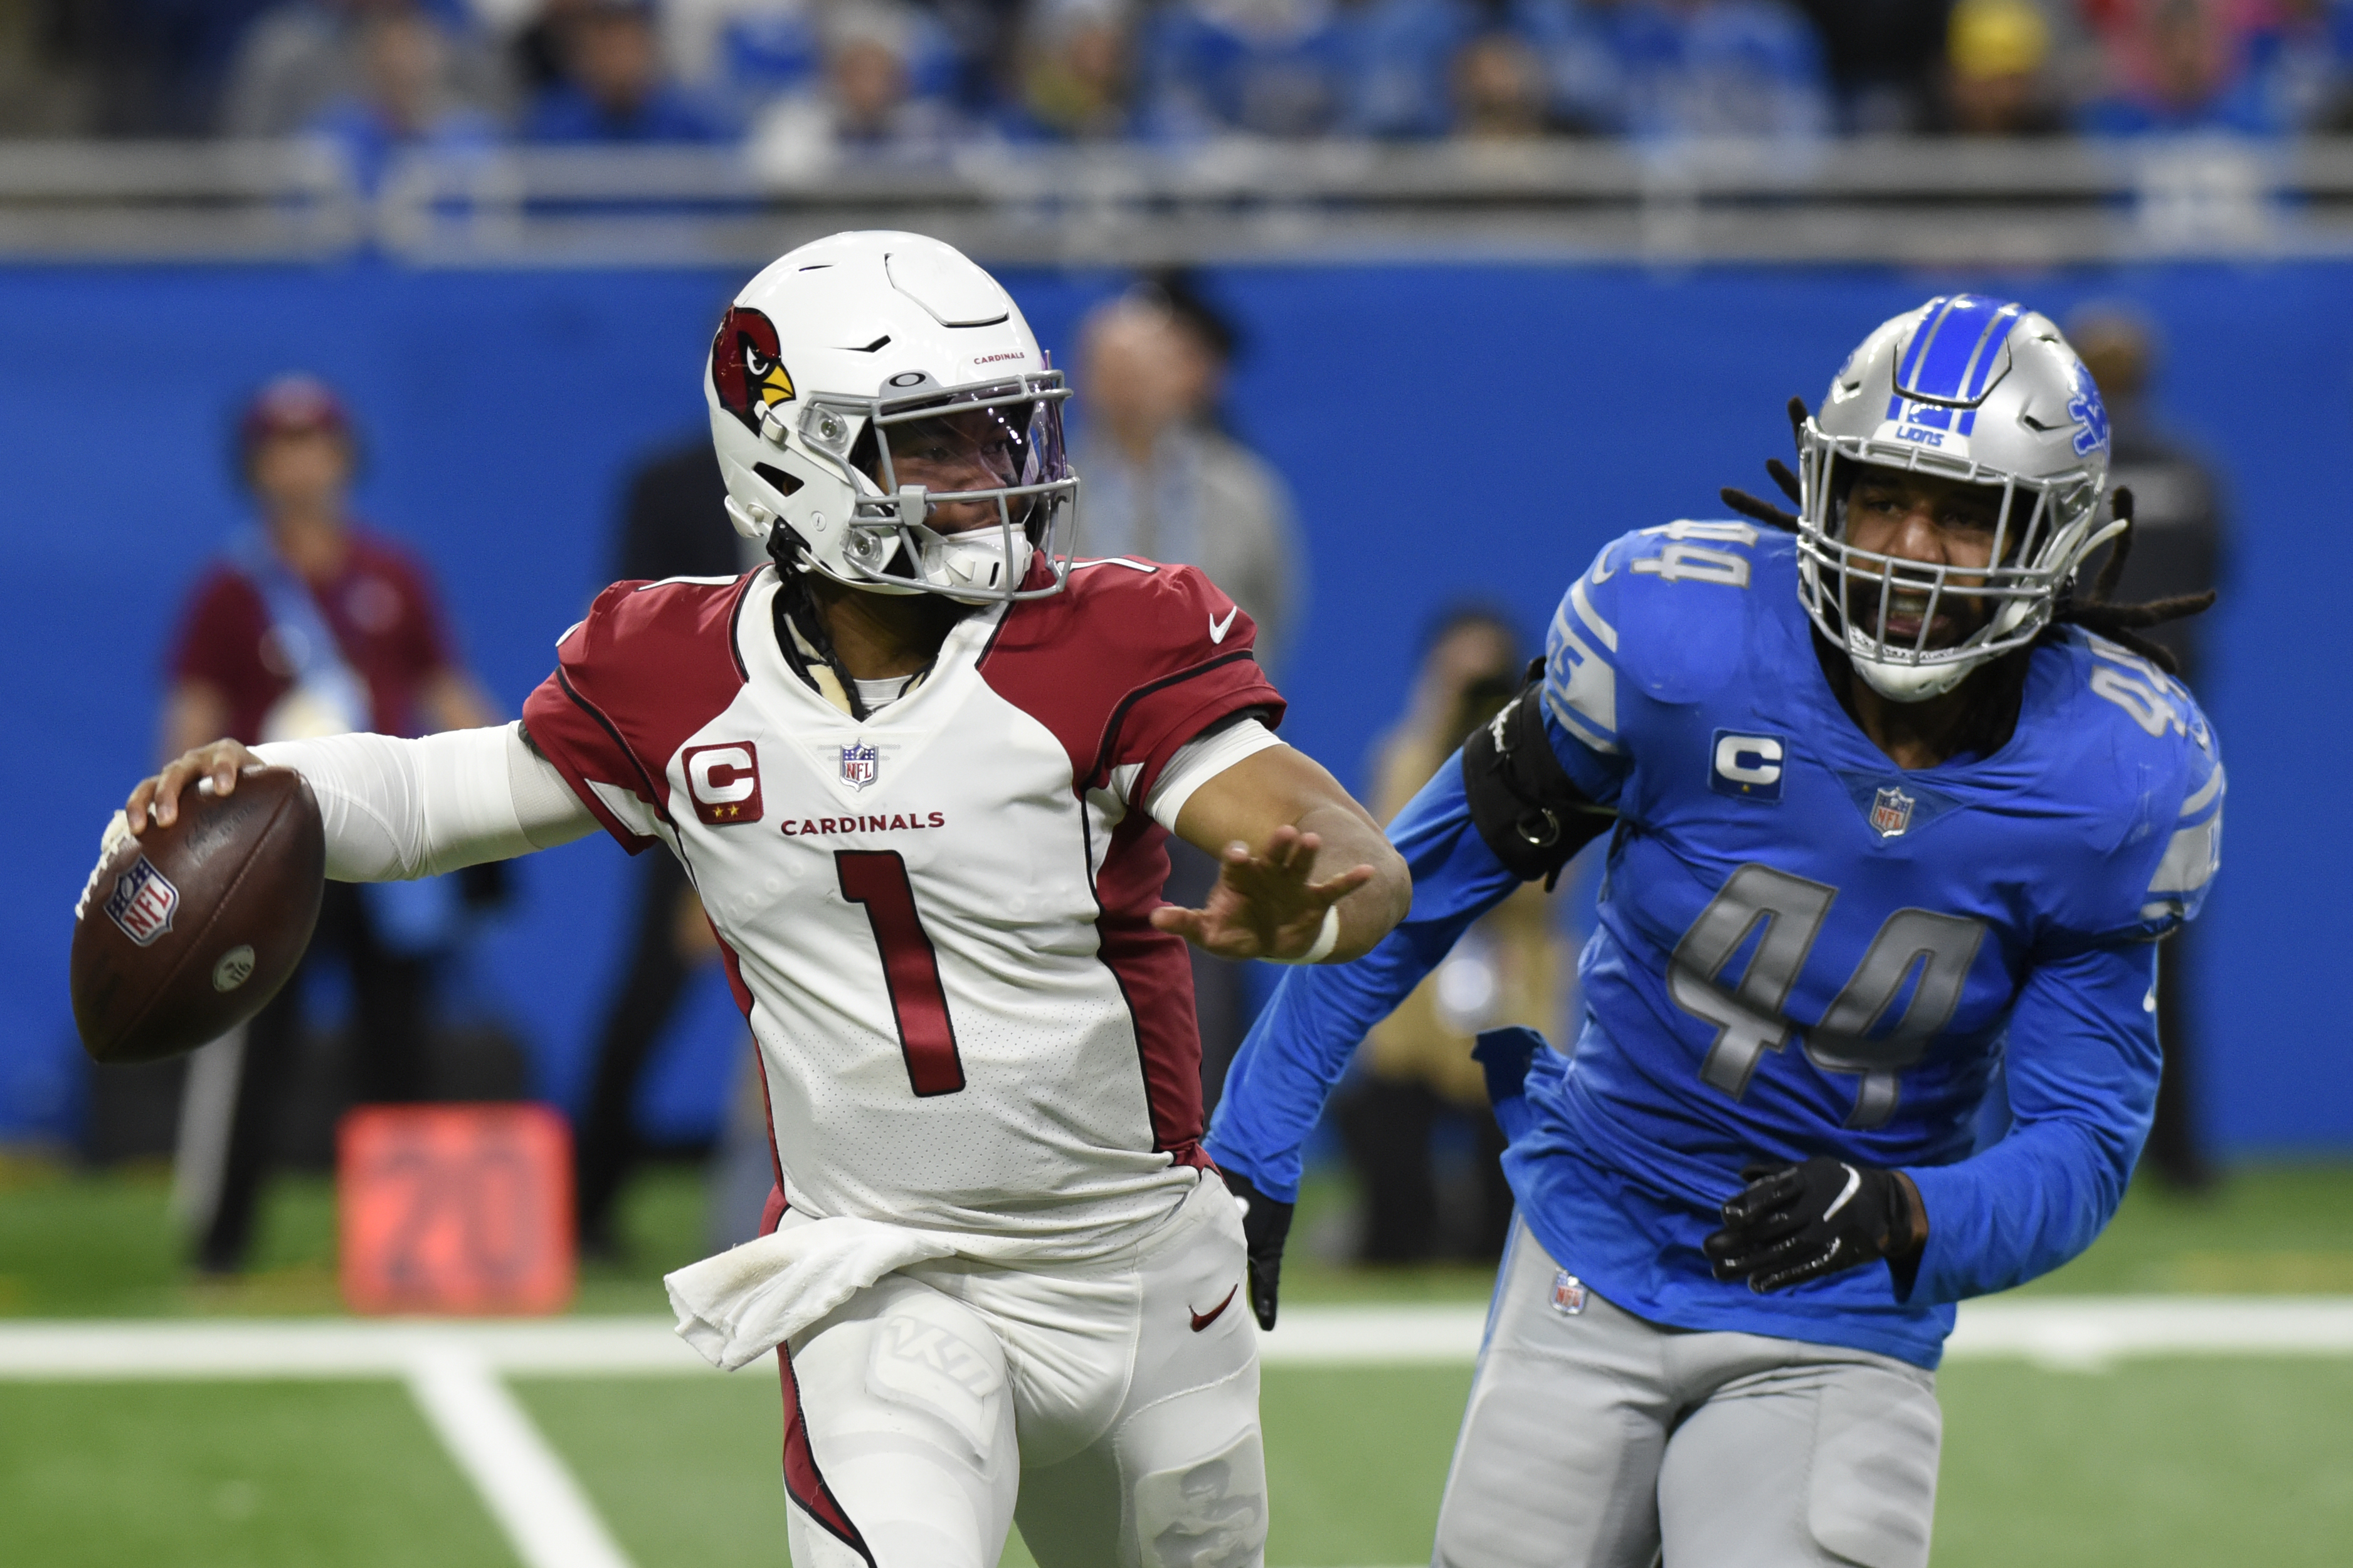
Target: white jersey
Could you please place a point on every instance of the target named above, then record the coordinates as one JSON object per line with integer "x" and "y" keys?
{"x": 935, "y": 919}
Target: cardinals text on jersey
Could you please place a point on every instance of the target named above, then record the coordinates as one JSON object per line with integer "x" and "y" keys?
{"x": 935, "y": 921}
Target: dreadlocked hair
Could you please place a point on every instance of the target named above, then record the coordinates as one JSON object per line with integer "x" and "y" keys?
{"x": 1777, "y": 470}
{"x": 2092, "y": 609}
{"x": 2123, "y": 623}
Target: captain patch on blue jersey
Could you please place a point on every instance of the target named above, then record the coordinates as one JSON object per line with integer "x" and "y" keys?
{"x": 1804, "y": 948}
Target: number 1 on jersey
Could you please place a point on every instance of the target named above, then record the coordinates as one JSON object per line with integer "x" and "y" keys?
{"x": 911, "y": 968}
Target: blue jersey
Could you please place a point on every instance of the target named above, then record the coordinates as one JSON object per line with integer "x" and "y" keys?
{"x": 1803, "y": 948}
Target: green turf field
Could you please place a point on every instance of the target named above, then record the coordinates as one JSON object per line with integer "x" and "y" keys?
{"x": 176, "y": 1475}
{"x": 2150, "y": 1463}
{"x": 2041, "y": 1468}
{"x": 2155, "y": 1465}
{"x": 72, "y": 1245}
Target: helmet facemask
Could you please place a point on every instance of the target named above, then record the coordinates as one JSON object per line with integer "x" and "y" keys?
{"x": 2040, "y": 538}
{"x": 1975, "y": 391}
{"x": 1001, "y": 442}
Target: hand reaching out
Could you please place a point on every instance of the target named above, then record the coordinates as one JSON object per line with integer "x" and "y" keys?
{"x": 1264, "y": 906}
{"x": 156, "y": 800}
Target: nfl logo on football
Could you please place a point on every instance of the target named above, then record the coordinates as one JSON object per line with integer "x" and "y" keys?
{"x": 143, "y": 903}
{"x": 1891, "y": 812}
{"x": 859, "y": 765}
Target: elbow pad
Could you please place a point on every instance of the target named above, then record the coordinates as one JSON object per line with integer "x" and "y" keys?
{"x": 1526, "y": 809}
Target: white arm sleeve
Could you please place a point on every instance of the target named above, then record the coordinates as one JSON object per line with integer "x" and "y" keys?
{"x": 397, "y": 809}
{"x": 1198, "y": 761}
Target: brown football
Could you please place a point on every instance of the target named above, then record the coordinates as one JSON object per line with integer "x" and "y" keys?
{"x": 191, "y": 929}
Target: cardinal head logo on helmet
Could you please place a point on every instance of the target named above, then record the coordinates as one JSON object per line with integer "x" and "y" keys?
{"x": 746, "y": 368}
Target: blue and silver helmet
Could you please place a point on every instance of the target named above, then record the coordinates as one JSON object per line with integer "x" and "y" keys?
{"x": 1967, "y": 388}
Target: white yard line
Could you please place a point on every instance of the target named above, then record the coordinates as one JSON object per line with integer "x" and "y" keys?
{"x": 2092, "y": 1331}
{"x": 1374, "y": 1336}
{"x": 2066, "y": 1330}
{"x": 335, "y": 1347}
{"x": 547, "y": 1519}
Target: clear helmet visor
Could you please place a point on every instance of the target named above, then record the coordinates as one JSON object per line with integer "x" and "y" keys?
{"x": 962, "y": 490}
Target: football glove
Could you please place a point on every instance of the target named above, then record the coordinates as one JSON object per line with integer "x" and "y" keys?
{"x": 1266, "y": 1224}
{"x": 1505, "y": 1056}
{"x": 1796, "y": 1222}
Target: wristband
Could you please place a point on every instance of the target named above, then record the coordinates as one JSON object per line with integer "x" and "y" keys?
{"x": 1326, "y": 940}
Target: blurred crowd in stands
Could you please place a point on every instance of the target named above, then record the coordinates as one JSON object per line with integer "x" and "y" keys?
{"x": 907, "y": 81}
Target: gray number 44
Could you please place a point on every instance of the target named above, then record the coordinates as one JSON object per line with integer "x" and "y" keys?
{"x": 1856, "y": 1035}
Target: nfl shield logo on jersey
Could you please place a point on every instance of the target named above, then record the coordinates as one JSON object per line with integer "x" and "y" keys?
{"x": 1567, "y": 1294}
{"x": 143, "y": 903}
{"x": 859, "y": 765}
{"x": 1891, "y": 812}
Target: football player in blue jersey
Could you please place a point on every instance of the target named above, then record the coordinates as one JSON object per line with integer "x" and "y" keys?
{"x": 1897, "y": 802}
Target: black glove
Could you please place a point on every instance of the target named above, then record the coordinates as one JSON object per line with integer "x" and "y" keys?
{"x": 1796, "y": 1222}
{"x": 1266, "y": 1222}
{"x": 1506, "y": 1054}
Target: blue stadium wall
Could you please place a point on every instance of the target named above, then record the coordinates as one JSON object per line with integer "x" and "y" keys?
{"x": 1452, "y": 432}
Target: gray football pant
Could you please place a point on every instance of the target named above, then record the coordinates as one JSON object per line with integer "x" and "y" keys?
{"x": 1596, "y": 1439}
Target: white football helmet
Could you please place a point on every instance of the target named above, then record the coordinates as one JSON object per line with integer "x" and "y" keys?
{"x": 1967, "y": 388}
{"x": 840, "y": 345}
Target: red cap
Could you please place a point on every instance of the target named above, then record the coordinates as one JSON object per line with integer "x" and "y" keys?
{"x": 292, "y": 406}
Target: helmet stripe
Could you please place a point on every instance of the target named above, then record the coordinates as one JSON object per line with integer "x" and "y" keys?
{"x": 1980, "y": 373}
{"x": 1923, "y": 337}
{"x": 1957, "y": 365}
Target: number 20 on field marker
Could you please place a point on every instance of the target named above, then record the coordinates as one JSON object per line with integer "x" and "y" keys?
{"x": 454, "y": 1209}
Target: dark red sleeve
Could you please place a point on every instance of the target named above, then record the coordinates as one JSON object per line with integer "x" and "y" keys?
{"x": 653, "y": 663}
{"x": 1126, "y": 667}
{"x": 1160, "y": 717}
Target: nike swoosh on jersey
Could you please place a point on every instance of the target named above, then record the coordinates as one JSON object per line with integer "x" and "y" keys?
{"x": 1203, "y": 1320}
{"x": 1218, "y": 627}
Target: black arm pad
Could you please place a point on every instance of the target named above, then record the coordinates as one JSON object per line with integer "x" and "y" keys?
{"x": 1521, "y": 800}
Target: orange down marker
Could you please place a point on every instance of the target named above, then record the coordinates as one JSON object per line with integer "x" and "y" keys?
{"x": 455, "y": 1209}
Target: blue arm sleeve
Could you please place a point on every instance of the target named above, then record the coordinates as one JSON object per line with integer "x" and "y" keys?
{"x": 2082, "y": 1070}
{"x": 1302, "y": 1042}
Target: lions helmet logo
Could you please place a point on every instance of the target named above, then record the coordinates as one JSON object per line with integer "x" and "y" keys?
{"x": 746, "y": 368}
{"x": 2090, "y": 415}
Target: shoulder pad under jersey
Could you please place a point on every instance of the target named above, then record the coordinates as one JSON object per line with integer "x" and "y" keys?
{"x": 2142, "y": 741}
{"x": 1663, "y": 612}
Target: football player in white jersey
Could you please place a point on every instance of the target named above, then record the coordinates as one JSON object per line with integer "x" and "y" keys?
{"x": 920, "y": 770}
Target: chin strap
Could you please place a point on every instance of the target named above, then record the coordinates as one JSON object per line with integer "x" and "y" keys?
{"x": 1947, "y": 677}
{"x": 801, "y": 637}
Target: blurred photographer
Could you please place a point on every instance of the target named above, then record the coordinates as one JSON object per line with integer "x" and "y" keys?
{"x": 1416, "y": 1071}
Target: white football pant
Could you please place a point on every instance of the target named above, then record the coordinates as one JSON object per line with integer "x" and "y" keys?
{"x": 1110, "y": 1406}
